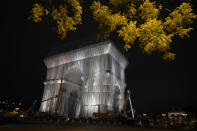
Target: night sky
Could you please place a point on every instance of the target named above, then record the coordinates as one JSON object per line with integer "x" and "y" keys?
{"x": 156, "y": 85}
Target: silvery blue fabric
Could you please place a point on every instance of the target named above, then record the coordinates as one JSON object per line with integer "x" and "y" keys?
{"x": 93, "y": 81}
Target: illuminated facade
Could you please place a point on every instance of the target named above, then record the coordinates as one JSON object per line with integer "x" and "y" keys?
{"x": 93, "y": 81}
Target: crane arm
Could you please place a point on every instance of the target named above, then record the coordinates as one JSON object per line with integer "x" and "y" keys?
{"x": 126, "y": 102}
{"x": 49, "y": 99}
{"x": 59, "y": 97}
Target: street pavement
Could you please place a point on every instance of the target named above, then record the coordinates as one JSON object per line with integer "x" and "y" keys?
{"x": 11, "y": 127}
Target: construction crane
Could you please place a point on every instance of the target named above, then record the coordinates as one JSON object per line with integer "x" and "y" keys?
{"x": 126, "y": 102}
{"x": 59, "y": 97}
{"x": 32, "y": 108}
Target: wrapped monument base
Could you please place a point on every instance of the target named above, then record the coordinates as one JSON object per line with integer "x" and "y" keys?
{"x": 92, "y": 81}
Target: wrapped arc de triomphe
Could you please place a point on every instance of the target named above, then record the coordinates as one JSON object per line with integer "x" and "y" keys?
{"x": 93, "y": 81}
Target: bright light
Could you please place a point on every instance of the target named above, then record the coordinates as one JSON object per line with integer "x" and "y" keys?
{"x": 144, "y": 114}
{"x": 82, "y": 78}
{"x": 21, "y": 116}
{"x": 94, "y": 84}
{"x": 17, "y": 109}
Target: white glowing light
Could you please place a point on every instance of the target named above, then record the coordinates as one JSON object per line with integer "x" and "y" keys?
{"x": 82, "y": 78}
{"x": 17, "y": 109}
{"x": 108, "y": 74}
{"x": 94, "y": 84}
{"x": 21, "y": 116}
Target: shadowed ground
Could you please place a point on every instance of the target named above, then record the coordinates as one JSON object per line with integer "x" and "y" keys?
{"x": 81, "y": 128}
